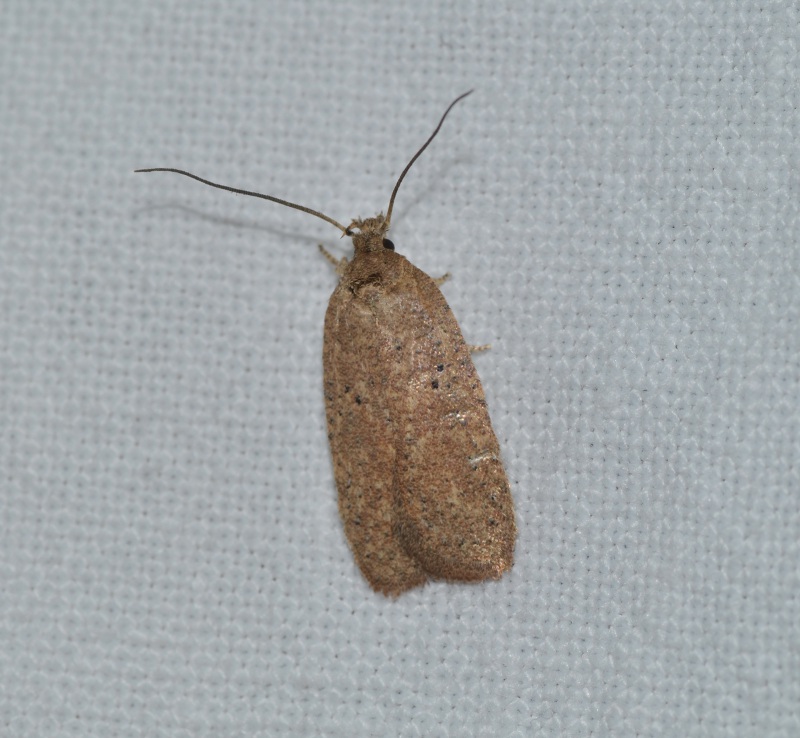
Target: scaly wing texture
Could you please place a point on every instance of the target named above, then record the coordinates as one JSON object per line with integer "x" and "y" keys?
{"x": 454, "y": 511}
{"x": 362, "y": 432}
{"x": 422, "y": 491}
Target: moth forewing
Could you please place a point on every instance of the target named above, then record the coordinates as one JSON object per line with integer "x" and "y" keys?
{"x": 416, "y": 461}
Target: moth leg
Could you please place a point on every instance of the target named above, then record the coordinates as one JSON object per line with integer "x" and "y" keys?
{"x": 339, "y": 264}
{"x": 439, "y": 281}
{"x": 477, "y": 349}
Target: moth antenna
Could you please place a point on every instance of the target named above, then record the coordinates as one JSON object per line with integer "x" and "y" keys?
{"x": 288, "y": 204}
{"x": 416, "y": 156}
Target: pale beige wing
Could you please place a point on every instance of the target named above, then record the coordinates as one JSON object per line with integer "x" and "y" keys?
{"x": 454, "y": 512}
{"x": 362, "y": 430}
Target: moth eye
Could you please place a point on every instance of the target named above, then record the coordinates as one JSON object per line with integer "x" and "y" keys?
{"x": 387, "y": 244}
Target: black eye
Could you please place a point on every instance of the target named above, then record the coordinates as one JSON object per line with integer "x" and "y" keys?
{"x": 387, "y": 244}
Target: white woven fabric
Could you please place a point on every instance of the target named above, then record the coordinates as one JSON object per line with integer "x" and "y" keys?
{"x": 618, "y": 204}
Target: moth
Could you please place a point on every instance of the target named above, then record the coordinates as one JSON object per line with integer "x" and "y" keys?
{"x": 422, "y": 489}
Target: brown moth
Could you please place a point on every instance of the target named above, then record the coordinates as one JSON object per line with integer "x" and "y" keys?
{"x": 422, "y": 490}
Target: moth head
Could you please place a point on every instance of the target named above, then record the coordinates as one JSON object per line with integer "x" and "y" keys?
{"x": 369, "y": 235}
